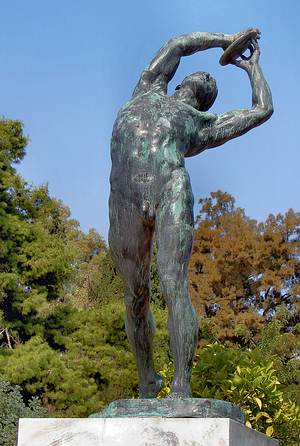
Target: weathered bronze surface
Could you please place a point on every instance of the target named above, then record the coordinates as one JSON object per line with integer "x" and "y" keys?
{"x": 173, "y": 408}
{"x": 151, "y": 191}
{"x": 238, "y": 47}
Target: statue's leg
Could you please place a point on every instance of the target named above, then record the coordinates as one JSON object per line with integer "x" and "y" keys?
{"x": 174, "y": 231}
{"x": 130, "y": 241}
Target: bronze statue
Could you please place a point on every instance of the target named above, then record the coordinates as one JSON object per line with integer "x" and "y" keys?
{"x": 151, "y": 191}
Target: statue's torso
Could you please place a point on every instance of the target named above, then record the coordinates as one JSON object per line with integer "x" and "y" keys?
{"x": 151, "y": 136}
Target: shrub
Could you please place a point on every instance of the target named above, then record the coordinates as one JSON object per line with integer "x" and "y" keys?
{"x": 249, "y": 379}
{"x": 13, "y": 407}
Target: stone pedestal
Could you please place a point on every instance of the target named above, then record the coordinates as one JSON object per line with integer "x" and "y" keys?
{"x": 142, "y": 431}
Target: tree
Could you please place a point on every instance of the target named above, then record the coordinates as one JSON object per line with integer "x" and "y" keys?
{"x": 61, "y": 311}
{"x": 94, "y": 277}
{"x": 242, "y": 271}
{"x": 41, "y": 246}
{"x": 88, "y": 364}
{"x": 282, "y": 345}
{"x": 13, "y": 407}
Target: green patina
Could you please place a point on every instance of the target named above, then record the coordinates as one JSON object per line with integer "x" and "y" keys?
{"x": 189, "y": 126}
{"x": 178, "y": 208}
{"x": 172, "y": 408}
{"x": 144, "y": 149}
{"x": 170, "y": 153}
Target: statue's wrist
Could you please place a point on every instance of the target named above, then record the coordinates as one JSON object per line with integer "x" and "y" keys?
{"x": 228, "y": 39}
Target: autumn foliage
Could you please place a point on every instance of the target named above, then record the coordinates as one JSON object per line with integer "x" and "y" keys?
{"x": 242, "y": 271}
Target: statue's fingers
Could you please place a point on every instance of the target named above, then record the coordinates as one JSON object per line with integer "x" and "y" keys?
{"x": 256, "y": 48}
{"x": 236, "y": 62}
{"x": 258, "y": 33}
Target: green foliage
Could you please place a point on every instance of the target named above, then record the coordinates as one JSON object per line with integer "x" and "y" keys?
{"x": 282, "y": 344}
{"x": 62, "y": 334}
{"x": 249, "y": 379}
{"x": 61, "y": 300}
{"x": 35, "y": 258}
{"x": 105, "y": 284}
{"x": 42, "y": 250}
{"x": 12, "y": 145}
{"x": 156, "y": 294}
{"x": 94, "y": 278}
{"x": 13, "y": 407}
{"x": 256, "y": 389}
{"x": 167, "y": 374}
{"x": 213, "y": 369}
{"x": 94, "y": 367}
{"x": 90, "y": 366}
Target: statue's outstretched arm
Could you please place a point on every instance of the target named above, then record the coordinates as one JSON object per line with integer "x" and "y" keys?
{"x": 164, "y": 65}
{"x": 237, "y": 122}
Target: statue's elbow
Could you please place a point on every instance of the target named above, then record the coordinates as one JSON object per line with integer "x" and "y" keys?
{"x": 265, "y": 113}
{"x": 269, "y": 111}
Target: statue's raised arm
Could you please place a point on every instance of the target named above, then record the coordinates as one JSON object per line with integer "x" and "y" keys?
{"x": 237, "y": 122}
{"x": 164, "y": 65}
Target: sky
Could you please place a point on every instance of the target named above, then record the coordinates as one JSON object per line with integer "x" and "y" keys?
{"x": 67, "y": 66}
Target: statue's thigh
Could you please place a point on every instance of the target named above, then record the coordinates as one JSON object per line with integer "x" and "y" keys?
{"x": 175, "y": 226}
{"x": 130, "y": 241}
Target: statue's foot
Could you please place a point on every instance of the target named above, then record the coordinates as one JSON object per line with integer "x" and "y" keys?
{"x": 152, "y": 388}
{"x": 180, "y": 391}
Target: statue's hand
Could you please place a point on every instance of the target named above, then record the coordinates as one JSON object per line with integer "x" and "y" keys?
{"x": 241, "y": 33}
{"x": 231, "y": 38}
{"x": 247, "y": 63}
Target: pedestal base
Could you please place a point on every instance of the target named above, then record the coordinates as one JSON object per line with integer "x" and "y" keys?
{"x": 172, "y": 408}
{"x": 150, "y": 431}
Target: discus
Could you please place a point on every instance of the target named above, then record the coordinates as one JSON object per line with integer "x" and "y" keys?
{"x": 238, "y": 47}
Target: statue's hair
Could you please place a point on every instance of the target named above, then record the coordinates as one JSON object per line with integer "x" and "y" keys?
{"x": 204, "y": 88}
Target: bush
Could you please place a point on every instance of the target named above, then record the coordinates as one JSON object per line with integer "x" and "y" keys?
{"x": 12, "y": 407}
{"x": 249, "y": 379}
{"x": 86, "y": 363}
{"x": 256, "y": 389}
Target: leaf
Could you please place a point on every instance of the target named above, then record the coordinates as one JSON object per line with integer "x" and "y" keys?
{"x": 248, "y": 424}
{"x": 269, "y": 431}
{"x": 262, "y": 414}
{"x": 258, "y": 401}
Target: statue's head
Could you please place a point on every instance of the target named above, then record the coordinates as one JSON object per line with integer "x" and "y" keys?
{"x": 198, "y": 89}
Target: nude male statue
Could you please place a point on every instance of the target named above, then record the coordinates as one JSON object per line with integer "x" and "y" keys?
{"x": 151, "y": 191}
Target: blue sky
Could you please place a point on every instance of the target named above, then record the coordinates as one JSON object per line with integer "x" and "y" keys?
{"x": 67, "y": 66}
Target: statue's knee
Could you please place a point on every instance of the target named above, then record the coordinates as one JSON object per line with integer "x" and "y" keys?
{"x": 174, "y": 286}
{"x": 169, "y": 285}
{"x": 129, "y": 299}
{"x": 137, "y": 300}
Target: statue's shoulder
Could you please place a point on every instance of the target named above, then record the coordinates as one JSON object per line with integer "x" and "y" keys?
{"x": 205, "y": 119}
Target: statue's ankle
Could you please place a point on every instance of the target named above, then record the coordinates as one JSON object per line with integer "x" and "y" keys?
{"x": 151, "y": 388}
{"x": 180, "y": 390}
